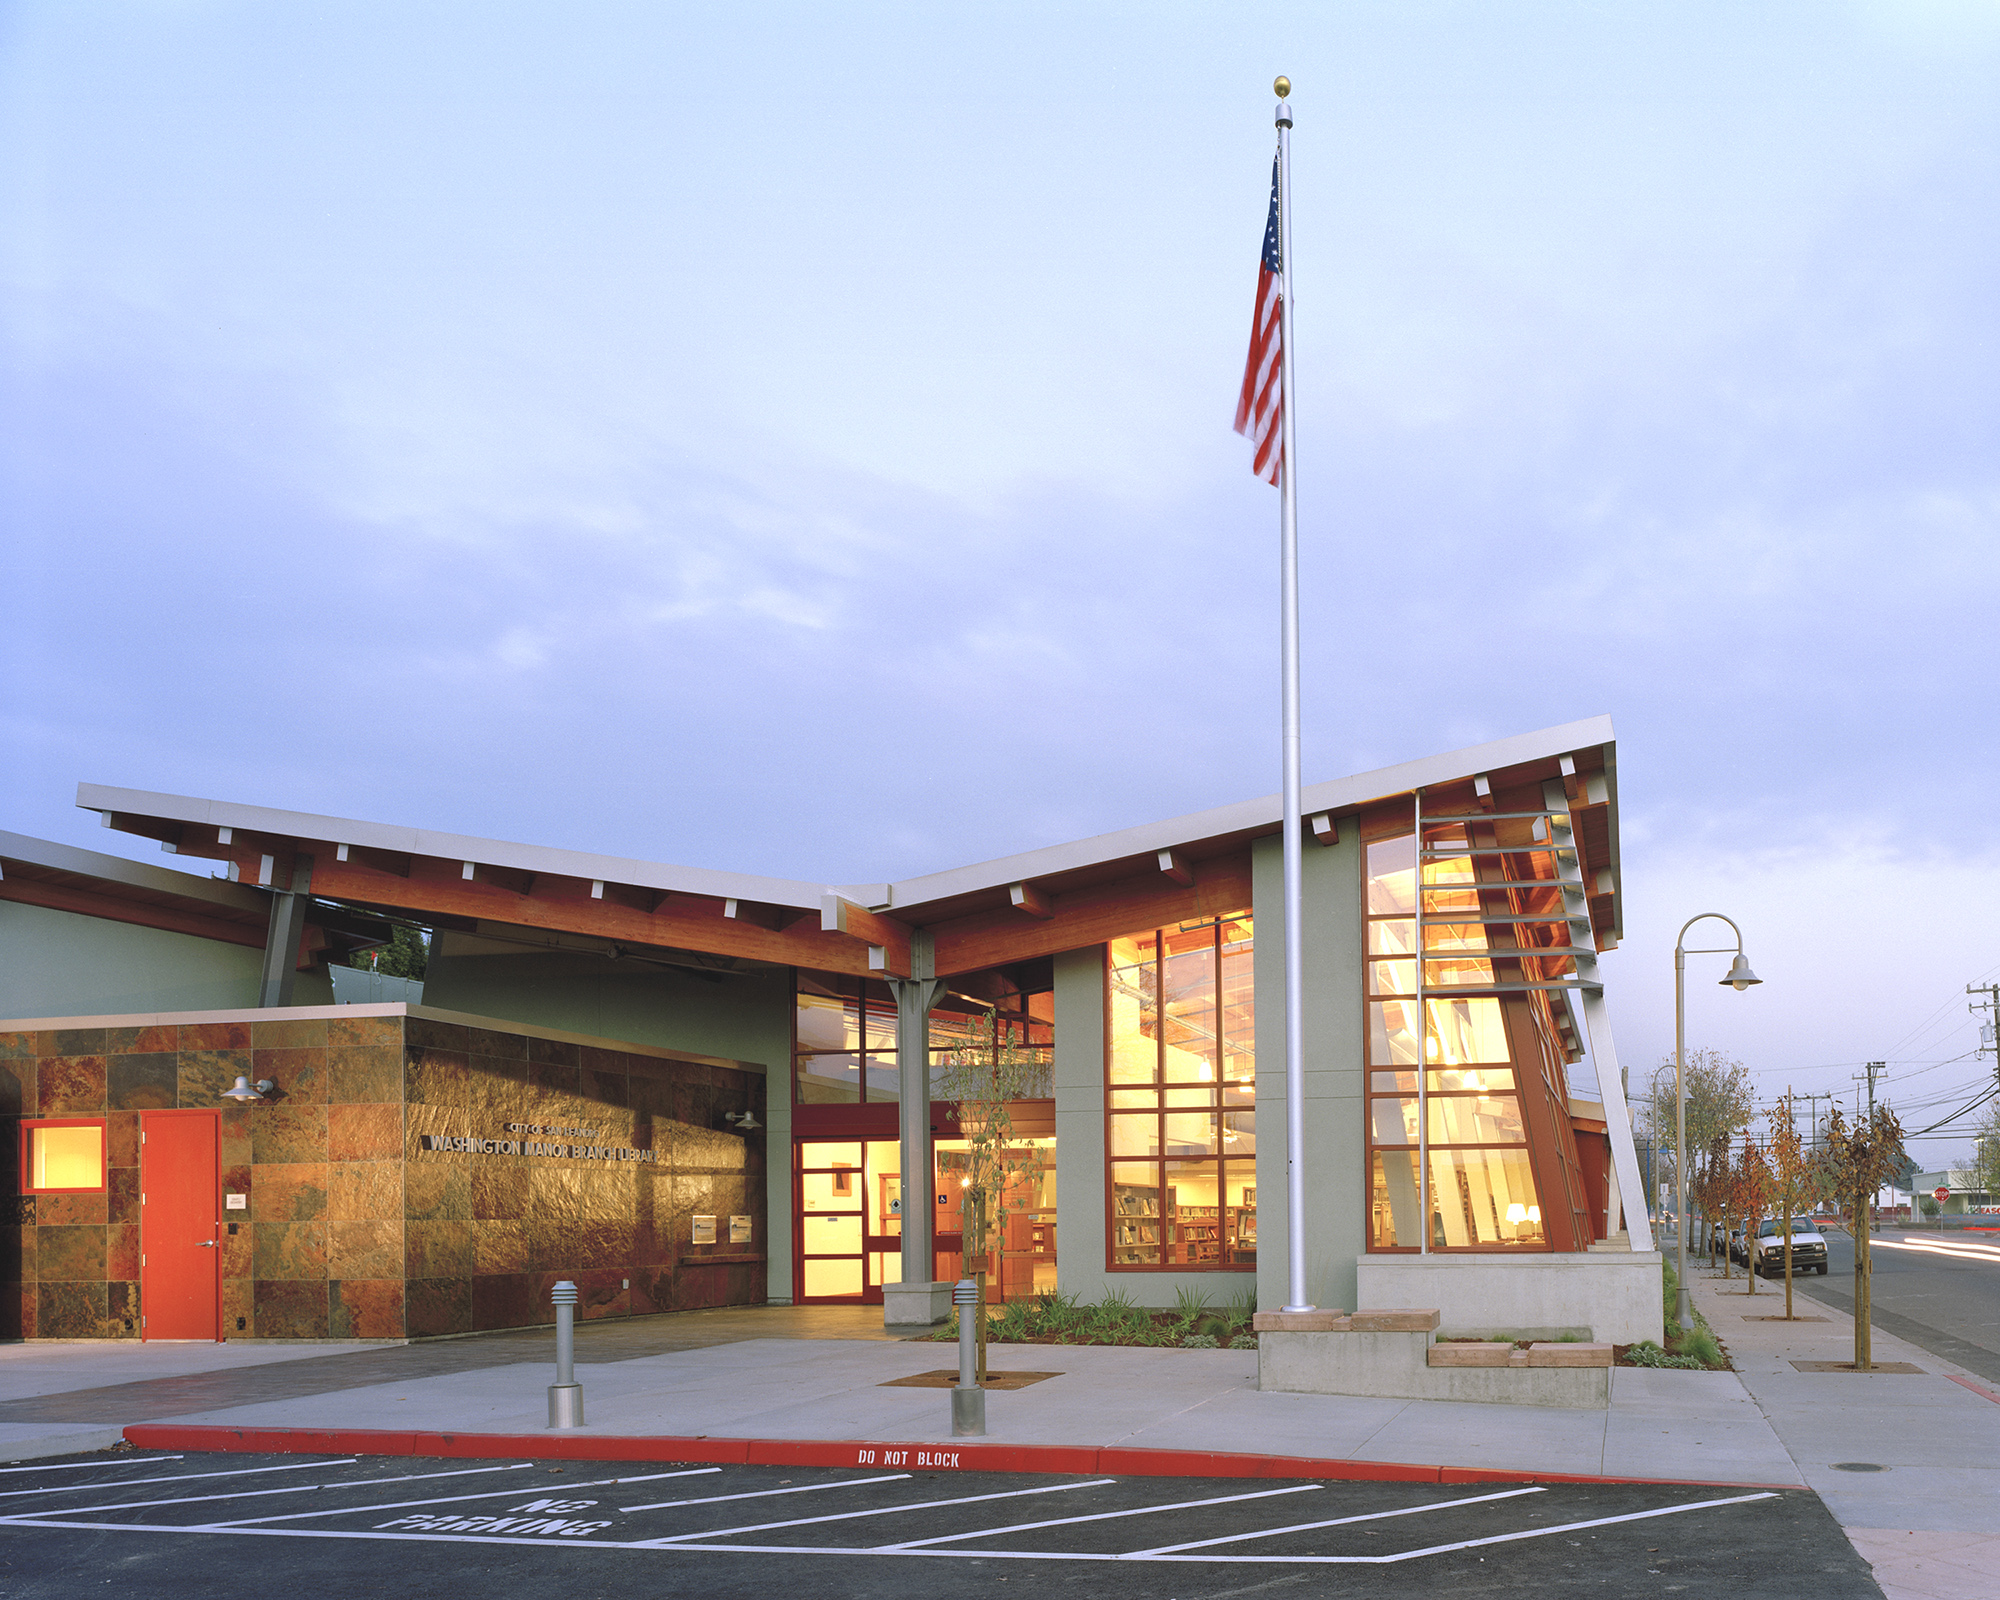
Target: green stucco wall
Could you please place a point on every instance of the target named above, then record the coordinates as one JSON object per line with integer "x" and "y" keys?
{"x": 59, "y": 964}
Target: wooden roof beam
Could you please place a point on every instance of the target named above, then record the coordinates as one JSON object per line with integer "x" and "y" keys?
{"x": 1026, "y": 897}
{"x": 888, "y": 940}
{"x": 391, "y": 862}
{"x": 115, "y": 908}
{"x": 438, "y": 888}
{"x": 1092, "y": 914}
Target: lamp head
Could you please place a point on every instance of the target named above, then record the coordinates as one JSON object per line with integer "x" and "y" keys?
{"x": 1740, "y": 976}
{"x": 241, "y": 1090}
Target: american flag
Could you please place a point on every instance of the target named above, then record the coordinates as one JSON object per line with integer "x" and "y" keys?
{"x": 1260, "y": 409}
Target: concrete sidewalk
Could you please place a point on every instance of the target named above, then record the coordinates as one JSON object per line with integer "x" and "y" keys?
{"x": 1908, "y": 1463}
{"x": 40, "y": 1370}
{"x": 1661, "y": 1425}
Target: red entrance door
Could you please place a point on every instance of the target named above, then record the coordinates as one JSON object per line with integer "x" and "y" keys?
{"x": 180, "y": 1275}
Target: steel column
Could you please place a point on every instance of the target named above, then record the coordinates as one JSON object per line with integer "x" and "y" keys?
{"x": 281, "y": 943}
{"x": 915, "y": 996}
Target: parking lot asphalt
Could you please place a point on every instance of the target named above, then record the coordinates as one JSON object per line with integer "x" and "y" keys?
{"x": 225, "y": 1525}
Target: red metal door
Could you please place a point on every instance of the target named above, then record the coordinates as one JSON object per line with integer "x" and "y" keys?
{"x": 180, "y": 1183}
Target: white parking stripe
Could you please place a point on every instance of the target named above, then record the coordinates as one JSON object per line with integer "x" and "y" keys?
{"x": 446, "y": 1500}
{"x": 1099, "y": 1516}
{"x": 1480, "y": 1544}
{"x": 308, "y": 1488}
{"x": 677, "y": 1546}
{"x": 412, "y": 1477}
{"x": 758, "y": 1494}
{"x": 1334, "y": 1522}
{"x": 71, "y": 1466}
{"x": 177, "y": 1500}
{"x": 177, "y": 1477}
{"x": 883, "y": 1511}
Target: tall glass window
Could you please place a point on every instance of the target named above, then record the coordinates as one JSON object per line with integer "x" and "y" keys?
{"x": 1015, "y": 1033}
{"x": 845, "y": 1039}
{"x": 1481, "y": 1183}
{"x": 1180, "y": 1098}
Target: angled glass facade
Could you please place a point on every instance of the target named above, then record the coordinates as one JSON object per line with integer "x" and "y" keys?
{"x": 1496, "y": 1141}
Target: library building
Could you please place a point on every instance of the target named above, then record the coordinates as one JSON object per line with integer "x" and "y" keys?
{"x": 682, "y": 1087}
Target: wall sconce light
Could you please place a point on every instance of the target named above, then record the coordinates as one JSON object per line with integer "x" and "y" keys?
{"x": 745, "y": 1121}
{"x": 242, "y": 1092}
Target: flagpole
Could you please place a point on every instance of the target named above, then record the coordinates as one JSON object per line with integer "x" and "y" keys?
{"x": 1288, "y": 516}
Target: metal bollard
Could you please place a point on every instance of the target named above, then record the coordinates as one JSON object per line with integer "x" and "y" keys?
{"x": 565, "y": 1394}
{"x": 968, "y": 1400}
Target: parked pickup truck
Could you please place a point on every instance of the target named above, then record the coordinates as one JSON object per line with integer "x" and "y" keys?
{"x": 1808, "y": 1248}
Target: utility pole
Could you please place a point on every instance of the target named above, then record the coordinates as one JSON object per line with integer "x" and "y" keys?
{"x": 1989, "y": 1039}
{"x": 1989, "y": 1030}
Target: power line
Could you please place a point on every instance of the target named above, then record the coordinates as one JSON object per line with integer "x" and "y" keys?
{"x": 1921, "y": 1026}
{"x": 1962, "y": 1110}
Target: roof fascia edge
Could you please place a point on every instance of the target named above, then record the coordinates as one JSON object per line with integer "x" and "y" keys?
{"x": 451, "y": 846}
{"x": 1334, "y": 794}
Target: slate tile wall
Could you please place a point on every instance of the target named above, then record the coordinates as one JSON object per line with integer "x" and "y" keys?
{"x": 487, "y": 1236}
{"x": 353, "y": 1230}
{"x": 312, "y": 1160}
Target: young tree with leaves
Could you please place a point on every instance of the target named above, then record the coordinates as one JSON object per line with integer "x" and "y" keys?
{"x": 1755, "y": 1187}
{"x": 1716, "y": 1088}
{"x": 986, "y": 1070}
{"x": 1985, "y": 1162}
{"x": 1718, "y": 1193}
{"x": 1793, "y": 1167}
{"x": 406, "y": 954}
{"x": 1860, "y": 1160}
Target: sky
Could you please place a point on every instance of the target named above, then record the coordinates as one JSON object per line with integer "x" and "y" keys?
{"x": 797, "y": 439}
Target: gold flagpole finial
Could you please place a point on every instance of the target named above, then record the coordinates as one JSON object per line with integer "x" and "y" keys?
{"x": 1283, "y": 86}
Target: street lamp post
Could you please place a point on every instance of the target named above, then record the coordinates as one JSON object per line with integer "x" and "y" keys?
{"x": 1740, "y": 978}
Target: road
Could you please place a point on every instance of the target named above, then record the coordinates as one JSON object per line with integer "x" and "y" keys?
{"x": 191, "y": 1527}
{"x": 1940, "y": 1291}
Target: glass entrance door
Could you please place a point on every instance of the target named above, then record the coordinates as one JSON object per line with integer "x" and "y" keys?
{"x": 850, "y": 1219}
{"x": 1020, "y": 1261}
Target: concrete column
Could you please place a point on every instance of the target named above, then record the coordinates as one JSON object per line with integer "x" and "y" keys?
{"x": 1336, "y": 1143}
{"x": 1079, "y": 1091}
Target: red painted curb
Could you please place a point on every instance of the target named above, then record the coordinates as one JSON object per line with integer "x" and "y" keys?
{"x": 1977, "y": 1388}
{"x": 954, "y": 1457}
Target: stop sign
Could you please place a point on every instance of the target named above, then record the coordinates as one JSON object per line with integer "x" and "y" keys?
{"x": 1940, "y": 1195}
